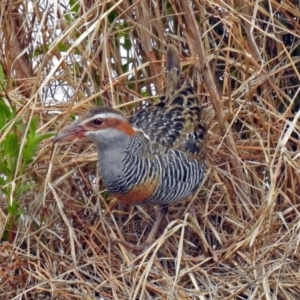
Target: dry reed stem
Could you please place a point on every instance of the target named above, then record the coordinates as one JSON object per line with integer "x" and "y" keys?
{"x": 239, "y": 237}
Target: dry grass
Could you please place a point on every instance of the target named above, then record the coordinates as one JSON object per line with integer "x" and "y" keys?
{"x": 239, "y": 237}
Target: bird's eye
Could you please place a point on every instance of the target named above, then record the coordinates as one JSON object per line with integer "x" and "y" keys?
{"x": 98, "y": 122}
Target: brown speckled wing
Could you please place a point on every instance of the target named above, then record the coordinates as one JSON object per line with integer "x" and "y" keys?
{"x": 174, "y": 123}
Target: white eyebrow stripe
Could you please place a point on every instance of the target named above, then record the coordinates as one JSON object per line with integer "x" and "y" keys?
{"x": 106, "y": 115}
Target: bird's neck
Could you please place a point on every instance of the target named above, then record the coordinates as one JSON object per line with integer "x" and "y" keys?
{"x": 114, "y": 161}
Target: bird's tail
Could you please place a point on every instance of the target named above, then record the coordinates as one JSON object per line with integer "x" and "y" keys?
{"x": 173, "y": 71}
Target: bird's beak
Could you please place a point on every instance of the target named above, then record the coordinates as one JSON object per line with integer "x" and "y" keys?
{"x": 71, "y": 132}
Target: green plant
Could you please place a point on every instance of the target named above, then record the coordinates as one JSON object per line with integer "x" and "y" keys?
{"x": 16, "y": 154}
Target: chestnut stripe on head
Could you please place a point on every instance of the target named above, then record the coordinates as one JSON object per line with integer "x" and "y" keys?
{"x": 105, "y": 120}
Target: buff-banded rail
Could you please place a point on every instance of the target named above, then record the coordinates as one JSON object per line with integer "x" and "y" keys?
{"x": 156, "y": 156}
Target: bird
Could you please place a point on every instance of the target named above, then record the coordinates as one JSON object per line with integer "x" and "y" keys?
{"x": 154, "y": 157}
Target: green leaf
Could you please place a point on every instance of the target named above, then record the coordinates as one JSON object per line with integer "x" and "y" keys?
{"x": 10, "y": 152}
{"x": 74, "y": 6}
{"x": 73, "y": 117}
{"x": 62, "y": 47}
{"x": 73, "y": 11}
{"x": 44, "y": 136}
{"x": 2, "y": 75}
{"x": 14, "y": 209}
{"x": 5, "y": 170}
{"x": 24, "y": 188}
{"x": 5, "y": 114}
{"x": 98, "y": 101}
{"x": 112, "y": 16}
{"x": 2, "y": 182}
{"x": 32, "y": 145}
{"x": 127, "y": 43}
{"x": 11, "y": 145}
{"x": 125, "y": 67}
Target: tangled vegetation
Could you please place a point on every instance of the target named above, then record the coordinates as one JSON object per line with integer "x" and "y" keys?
{"x": 238, "y": 238}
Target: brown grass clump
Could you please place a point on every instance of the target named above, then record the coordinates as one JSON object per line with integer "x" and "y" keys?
{"x": 239, "y": 237}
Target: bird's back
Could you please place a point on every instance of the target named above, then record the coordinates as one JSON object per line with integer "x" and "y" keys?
{"x": 175, "y": 121}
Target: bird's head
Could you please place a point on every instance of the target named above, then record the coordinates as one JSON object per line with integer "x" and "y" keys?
{"x": 100, "y": 124}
